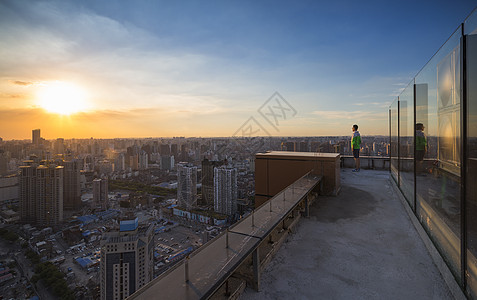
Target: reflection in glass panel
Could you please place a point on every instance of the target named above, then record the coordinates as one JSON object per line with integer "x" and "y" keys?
{"x": 406, "y": 143}
{"x": 394, "y": 140}
{"x": 438, "y": 147}
{"x": 471, "y": 168}
{"x": 470, "y": 24}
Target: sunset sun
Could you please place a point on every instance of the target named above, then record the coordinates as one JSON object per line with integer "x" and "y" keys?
{"x": 62, "y": 98}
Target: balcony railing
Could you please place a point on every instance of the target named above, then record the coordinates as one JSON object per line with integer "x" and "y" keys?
{"x": 240, "y": 251}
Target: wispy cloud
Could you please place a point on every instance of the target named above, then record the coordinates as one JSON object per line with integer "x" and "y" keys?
{"x": 21, "y": 83}
{"x": 374, "y": 104}
{"x": 351, "y": 115}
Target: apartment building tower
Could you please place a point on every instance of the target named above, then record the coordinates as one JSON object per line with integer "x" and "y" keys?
{"x": 127, "y": 260}
{"x": 35, "y": 137}
{"x": 41, "y": 194}
{"x": 208, "y": 180}
{"x": 225, "y": 190}
{"x": 72, "y": 188}
{"x": 186, "y": 185}
{"x": 100, "y": 193}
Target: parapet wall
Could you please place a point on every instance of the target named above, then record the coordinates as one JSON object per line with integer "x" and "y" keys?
{"x": 367, "y": 162}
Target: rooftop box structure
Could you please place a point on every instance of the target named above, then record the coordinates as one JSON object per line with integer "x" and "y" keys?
{"x": 128, "y": 225}
{"x": 275, "y": 170}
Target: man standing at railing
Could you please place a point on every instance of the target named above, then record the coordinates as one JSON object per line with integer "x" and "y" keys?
{"x": 355, "y": 145}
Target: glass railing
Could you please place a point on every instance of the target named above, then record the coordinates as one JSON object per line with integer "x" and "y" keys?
{"x": 433, "y": 139}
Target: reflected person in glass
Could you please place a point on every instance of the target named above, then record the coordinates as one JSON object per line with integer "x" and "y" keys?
{"x": 421, "y": 148}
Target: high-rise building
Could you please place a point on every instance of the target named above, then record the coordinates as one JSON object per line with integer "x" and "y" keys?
{"x": 100, "y": 193}
{"x": 186, "y": 185}
{"x": 208, "y": 180}
{"x": 120, "y": 163}
{"x": 134, "y": 162}
{"x": 225, "y": 190}
{"x": 35, "y": 137}
{"x": 127, "y": 260}
{"x": 3, "y": 163}
{"x": 174, "y": 150}
{"x": 41, "y": 194}
{"x": 165, "y": 149}
{"x": 167, "y": 162}
{"x": 60, "y": 146}
{"x": 184, "y": 155}
{"x": 71, "y": 187}
{"x": 143, "y": 160}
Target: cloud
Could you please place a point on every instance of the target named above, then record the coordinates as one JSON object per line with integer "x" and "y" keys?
{"x": 11, "y": 96}
{"x": 19, "y": 82}
{"x": 351, "y": 115}
{"x": 375, "y": 104}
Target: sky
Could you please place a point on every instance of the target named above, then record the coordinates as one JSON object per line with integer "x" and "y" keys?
{"x": 117, "y": 69}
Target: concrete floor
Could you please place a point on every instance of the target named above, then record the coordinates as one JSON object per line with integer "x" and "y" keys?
{"x": 359, "y": 245}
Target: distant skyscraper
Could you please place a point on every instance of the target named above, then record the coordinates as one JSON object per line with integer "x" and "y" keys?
{"x": 127, "y": 260}
{"x": 167, "y": 162}
{"x": 225, "y": 190}
{"x": 208, "y": 180}
{"x": 36, "y": 138}
{"x": 100, "y": 193}
{"x": 95, "y": 149}
{"x": 120, "y": 163}
{"x": 143, "y": 160}
{"x": 186, "y": 185}
{"x": 41, "y": 194}
{"x": 184, "y": 155}
{"x": 3, "y": 163}
{"x": 72, "y": 189}
{"x": 165, "y": 149}
{"x": 134, "y": 162}
{"x": 60, "y": 146}
{"x": 174, "y": 150}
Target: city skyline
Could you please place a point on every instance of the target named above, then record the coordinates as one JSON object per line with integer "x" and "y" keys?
{"x": 158, "y": 69}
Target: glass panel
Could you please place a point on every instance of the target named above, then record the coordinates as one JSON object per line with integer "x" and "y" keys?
{"x": 471, "y": 168}
{"x": 470, "y": 24}
{"x": 394, "y": 140}
{"x": 438, "y": 150}
{"x": 406, "y": 143}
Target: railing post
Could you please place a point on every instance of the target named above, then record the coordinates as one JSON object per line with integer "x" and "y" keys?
{"x": 227, "y": 291}
{"x": 256, "y": 270}
{"x": 270, "y": 206}
{"x": 227, "y": 238}
{"x": 186, "y": 267}
{"x": 307, "y": 210}
{"x": 253, "y": 218}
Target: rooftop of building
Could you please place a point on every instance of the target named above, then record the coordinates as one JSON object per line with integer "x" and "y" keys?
{"x": 294, "y": 154}
{"x": 358, "y": 245}
{"x": 117, "y": 236}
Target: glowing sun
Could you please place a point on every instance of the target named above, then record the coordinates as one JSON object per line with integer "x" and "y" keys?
{"x": 62, "y": 98}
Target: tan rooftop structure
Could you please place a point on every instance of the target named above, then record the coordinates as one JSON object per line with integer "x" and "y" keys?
{"x": 275, "y": 170}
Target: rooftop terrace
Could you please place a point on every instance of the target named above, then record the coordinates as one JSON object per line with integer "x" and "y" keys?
{"x": 358, "y": 245}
